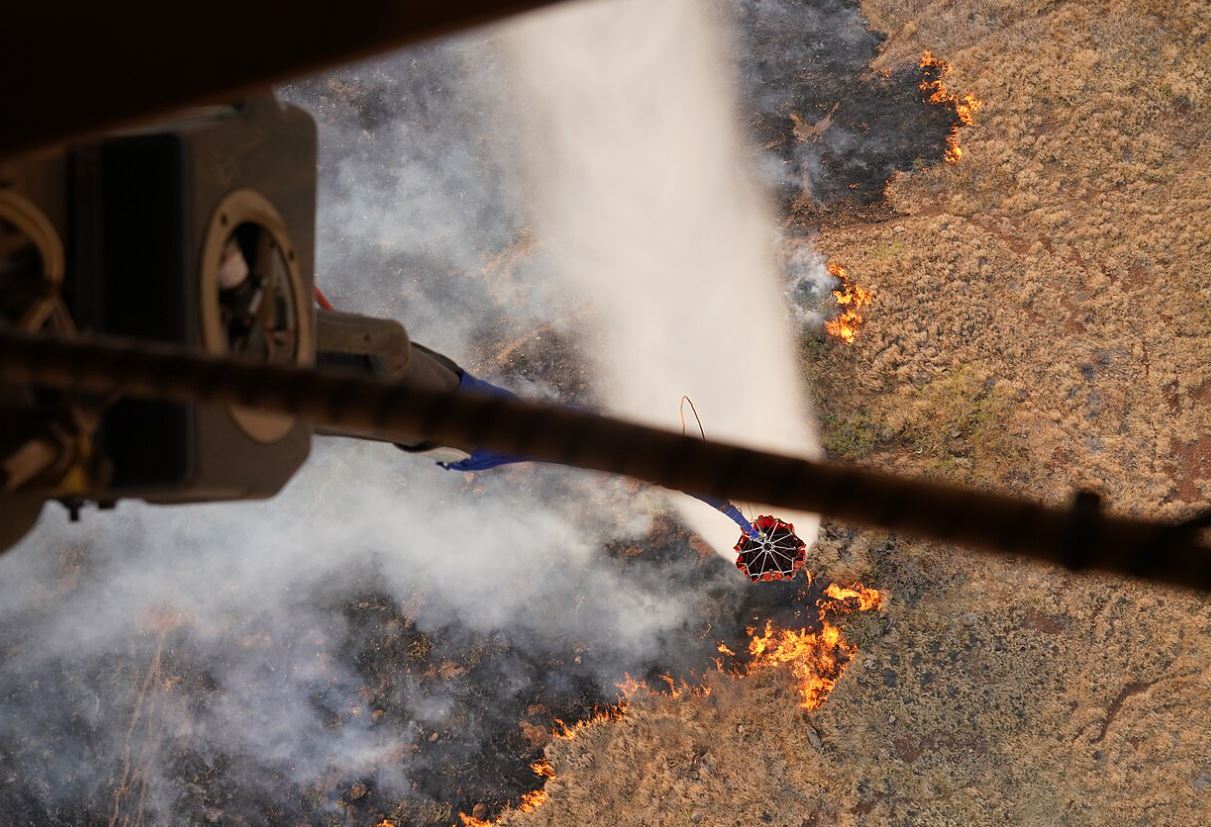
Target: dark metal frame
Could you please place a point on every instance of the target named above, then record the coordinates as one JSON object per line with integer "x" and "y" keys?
{"x": 74, "y": 69}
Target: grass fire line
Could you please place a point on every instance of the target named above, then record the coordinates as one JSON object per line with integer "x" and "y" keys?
{"x": 934, "y": 91}
{"x": 815, "y": 660}
{"x": 850, "y": 298}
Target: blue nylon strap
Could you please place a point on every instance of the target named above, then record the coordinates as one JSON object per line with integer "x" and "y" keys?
{"x": 481, "y": 460}
{"x": 733, "y": 512}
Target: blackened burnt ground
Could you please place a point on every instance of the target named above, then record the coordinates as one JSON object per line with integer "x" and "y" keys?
{"x": 453, "y": 716}
{"x": 837, "y": 129}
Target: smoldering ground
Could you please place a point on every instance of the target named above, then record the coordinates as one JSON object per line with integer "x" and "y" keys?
{"x": 375, "y": 625}
{"x": 384, "y": 638}
{"x": 831, "y": 124}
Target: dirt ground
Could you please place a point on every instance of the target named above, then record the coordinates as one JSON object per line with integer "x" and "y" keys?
{"x": 1041, "y": 322}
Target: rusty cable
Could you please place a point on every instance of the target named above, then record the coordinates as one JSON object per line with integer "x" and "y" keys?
{"x": 1083, "y": 537}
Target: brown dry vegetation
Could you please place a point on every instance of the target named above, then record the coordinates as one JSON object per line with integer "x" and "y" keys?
{"x": 1042, "y": 321}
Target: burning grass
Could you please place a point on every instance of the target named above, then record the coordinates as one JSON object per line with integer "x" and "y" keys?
{"x": 816, "y": 659}
{"x": 850, "y": 298}
{"x": 533, "y": 799}
{"x": 530, "y": 802}
{"x": 934, "y": 91}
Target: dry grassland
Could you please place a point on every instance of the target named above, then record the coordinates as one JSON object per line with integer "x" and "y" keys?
{"x": 1042, "y": 321}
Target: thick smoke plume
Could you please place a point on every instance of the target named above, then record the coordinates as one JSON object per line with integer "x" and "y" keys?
{"x": 646, "y": 202}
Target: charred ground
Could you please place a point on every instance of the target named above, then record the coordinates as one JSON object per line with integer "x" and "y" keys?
{"x": 502, "y": 696}
{"x": 838, "y": 127}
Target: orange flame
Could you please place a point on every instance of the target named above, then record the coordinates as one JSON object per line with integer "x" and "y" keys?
{"x": 602, "y": 716}
{"x": 529, "y": 802}
{"x": 934, "y": 91}
{"x": 817, "y": 660}
{"x": 628, "y": 686}
{"x": 851, "y": 298}
{"x": 868, "y": 599}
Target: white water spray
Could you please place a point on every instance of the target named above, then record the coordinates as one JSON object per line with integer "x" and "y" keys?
{"x": 644, "y": 196}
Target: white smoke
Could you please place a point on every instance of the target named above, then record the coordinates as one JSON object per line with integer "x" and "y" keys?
{"x": 253, "y": 597}
{"x": 807, "y": 283}
{"x": 646, "y": 208}
{"x": 250, "y": 599}
{"x": 645, "y": 197}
